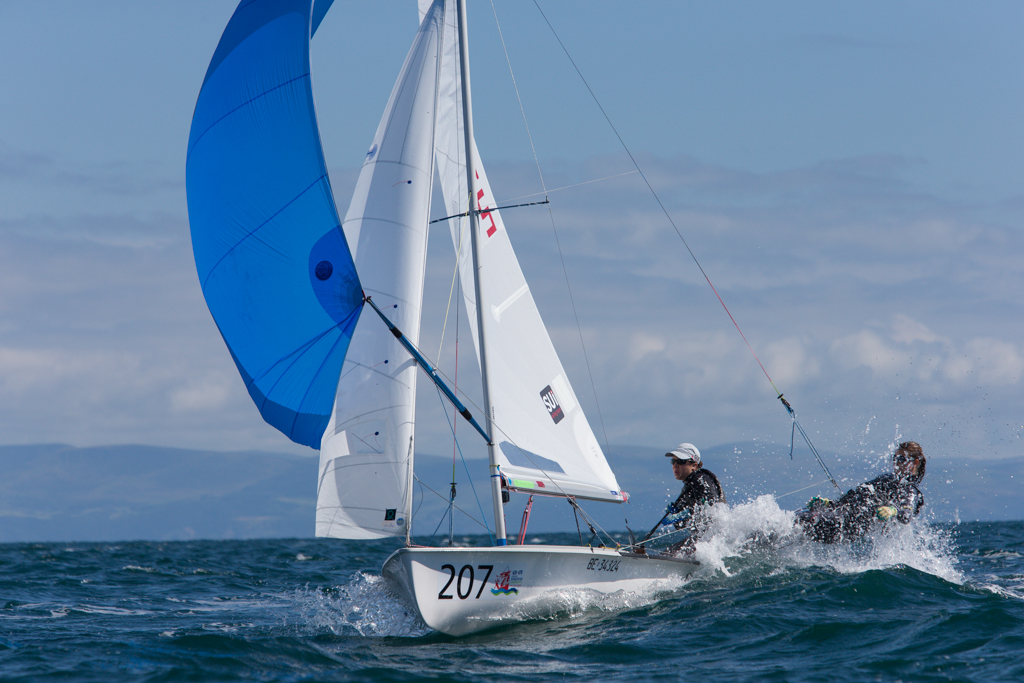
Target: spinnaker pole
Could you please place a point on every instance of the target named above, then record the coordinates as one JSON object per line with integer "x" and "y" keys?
{"x": 494, "y": 466}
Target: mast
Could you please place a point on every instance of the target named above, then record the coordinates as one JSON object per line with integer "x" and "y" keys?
{"x": 474, "y": 228}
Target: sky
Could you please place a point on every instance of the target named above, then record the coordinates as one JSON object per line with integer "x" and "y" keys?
{"x": 849, "y": 175}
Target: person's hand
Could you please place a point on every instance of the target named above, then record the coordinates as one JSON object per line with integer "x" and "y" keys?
{"x": 885, "y": 513}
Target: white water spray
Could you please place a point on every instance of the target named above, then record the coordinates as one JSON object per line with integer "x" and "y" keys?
{"x": 759, "y": 532}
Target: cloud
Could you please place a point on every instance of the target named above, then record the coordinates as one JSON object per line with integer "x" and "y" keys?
{"x": 853, "y": 284}
{"x": 105, "y": 338}
{"x": 850, "y": 297}
{"x": 792, "y": 361}
{"x": 642, "y": 344}
{"x": 39, "y": 186}
{"x": 913, "y": 349}
{"x": 907, "y": 331}
{"x": 200, "y": 394}
{"x": 868, "y": 349}
{"x": 22, "y": 370}
{"x": 986, "y": 361}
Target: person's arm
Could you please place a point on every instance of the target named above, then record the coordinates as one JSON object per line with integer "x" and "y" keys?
{"x": 910, "y": 505}
{"x": 689, "y": 498}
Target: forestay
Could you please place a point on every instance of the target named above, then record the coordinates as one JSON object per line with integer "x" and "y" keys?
{"x": 546, "y": 445}
{"x": 366, "y": 458}
{"x": 271, "y": 257}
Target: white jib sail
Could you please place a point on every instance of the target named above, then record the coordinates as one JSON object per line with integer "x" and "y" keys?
{"x": 366, "y": 455}
{"x": 546, "y": 445}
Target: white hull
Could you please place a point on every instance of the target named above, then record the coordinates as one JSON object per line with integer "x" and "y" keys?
{"x": 463, "y": 590}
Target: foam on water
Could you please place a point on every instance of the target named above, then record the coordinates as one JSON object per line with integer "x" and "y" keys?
{"x": 761, "y": 529}
{"x": 369, "y": 606}
{"x": 573, "y": 603}
{"x": 366, "y": 606}
{"x": 750, "y": 539}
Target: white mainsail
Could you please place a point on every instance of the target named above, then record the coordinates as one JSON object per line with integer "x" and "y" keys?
{"x": 545, "y": 443}
{"x": 366, "y": 455}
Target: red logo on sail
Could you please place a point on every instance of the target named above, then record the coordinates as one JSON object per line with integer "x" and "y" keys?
{"x": 484, "y": 214}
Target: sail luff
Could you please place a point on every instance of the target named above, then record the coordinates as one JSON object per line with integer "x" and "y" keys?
{"x": 545, "y": 444}
{"x": 494, "y": 466}
{"x": 366, "y": 455}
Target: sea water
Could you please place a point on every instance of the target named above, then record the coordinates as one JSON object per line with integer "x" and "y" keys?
{"x": 919, "y": 602}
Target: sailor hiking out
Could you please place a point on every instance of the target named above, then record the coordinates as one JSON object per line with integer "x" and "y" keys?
{"x": 890, "y": 496}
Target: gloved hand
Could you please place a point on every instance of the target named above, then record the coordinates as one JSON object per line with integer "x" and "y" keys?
{"x": 818, "y": 501}
{"x": 885, "y": 513}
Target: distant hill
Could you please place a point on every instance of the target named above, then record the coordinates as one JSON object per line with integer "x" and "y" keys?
{"x": 58, "y": 493}
{"x": 55, "y": 492}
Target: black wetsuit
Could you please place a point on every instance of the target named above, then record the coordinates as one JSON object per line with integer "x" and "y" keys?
{"x": 701, "y": 488}
{"x": 700, "y": 491}
{"x": 851, "y": 516}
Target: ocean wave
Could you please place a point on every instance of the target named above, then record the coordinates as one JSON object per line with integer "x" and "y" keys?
{"x": 760, "y": 533}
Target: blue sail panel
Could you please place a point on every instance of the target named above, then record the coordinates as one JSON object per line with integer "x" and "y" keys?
{"x": 271, "y": 257}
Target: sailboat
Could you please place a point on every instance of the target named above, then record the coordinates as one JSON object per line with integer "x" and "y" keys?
{"x": 289, "y": 282}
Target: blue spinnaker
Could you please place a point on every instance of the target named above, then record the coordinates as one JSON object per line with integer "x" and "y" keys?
{"x": 272, "y": 259}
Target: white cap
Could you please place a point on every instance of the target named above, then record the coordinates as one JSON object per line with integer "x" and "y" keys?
{"x": 685, "y": 451}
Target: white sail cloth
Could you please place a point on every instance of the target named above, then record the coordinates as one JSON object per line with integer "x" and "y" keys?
{"x": 546, "y": 445}
{"x": 366, "y": 456}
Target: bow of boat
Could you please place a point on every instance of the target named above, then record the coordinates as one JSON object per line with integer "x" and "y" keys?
{"x": 463, "y": 590}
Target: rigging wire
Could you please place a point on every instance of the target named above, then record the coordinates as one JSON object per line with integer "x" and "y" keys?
{"x": 455, "y": 438}
{"x": 798, "y": 426}
{"x": 435, "y": 372}
{"x": 440, "y": 346}
{"x": 569, "y": 187}
{"x": 817, "y": 483}
{"x": 590, "y": 523}
{"x": 424, "y": 485}
{"x": 558, "y": 242}
{"x": 438, "y": 372}
{"x": 450, "y": 394}
{"x": 675, "y": 227}
{"x": 452, "y": 501}
{"x": 447, "y": 310}
{"x": 660, "y": 537}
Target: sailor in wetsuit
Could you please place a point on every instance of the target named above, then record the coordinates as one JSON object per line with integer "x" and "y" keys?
{"x": 700, "y": 491}
{"x": 886, "y": 497}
